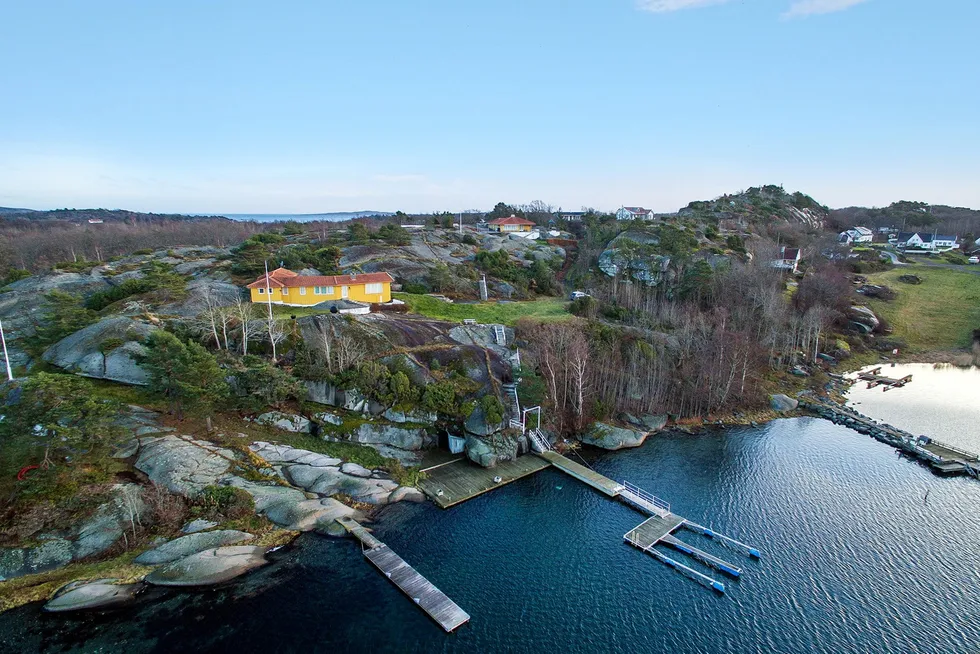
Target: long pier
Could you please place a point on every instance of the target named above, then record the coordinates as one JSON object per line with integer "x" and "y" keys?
{"x": 941, "y": 457}
{"x": 429, "y": 598}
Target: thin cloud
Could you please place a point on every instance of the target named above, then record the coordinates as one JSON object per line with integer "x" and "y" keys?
{"x": 804, "y": 8}
{"x": 665, "y": 6}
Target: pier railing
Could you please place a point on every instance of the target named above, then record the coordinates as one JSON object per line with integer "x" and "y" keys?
{"x": 644, "y": 500}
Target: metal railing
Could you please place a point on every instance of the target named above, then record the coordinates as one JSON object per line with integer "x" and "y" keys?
{"x": 538, "y": 440}
{"x": 645, "y": 500}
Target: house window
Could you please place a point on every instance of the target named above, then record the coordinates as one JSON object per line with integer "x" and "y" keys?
{"x": 285, "y": 291}
{"x": 323, "y": 290}
{"x": 261, "y": 291}
{"x": 373, "y": 289}
{"x": 302, "y": 290}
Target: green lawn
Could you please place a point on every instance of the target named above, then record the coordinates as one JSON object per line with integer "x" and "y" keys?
{"x": 938, "y": 314}
{"x": 507, "y": 313}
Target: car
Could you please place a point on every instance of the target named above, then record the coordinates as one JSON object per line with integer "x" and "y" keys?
{"x": 973, "y": 259}
{"x": 578, "y": 294}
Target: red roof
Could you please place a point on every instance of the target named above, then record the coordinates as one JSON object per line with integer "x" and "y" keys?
{"x": 511, "y": 220}
{"x": 292, "y": 280}
{"x": 638, "y": 210}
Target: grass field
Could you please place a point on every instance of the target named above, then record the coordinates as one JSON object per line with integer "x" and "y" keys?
{"x": 507, "y": 313}
{"x": 938, "y": 314}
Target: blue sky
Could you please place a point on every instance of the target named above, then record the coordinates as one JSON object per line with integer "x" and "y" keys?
{"x": 242, "y": 106}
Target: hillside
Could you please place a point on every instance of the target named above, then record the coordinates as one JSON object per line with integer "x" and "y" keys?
{"x": 906, "y": 215}
{"x": 760, "y": 207}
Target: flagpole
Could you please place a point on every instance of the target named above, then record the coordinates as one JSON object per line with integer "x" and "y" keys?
{"x": 6, "y": 357}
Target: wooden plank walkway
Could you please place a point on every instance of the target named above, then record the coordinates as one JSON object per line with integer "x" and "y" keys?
{"x": 580, "y": 472}
{"x": 451, "y": 483}
{"x": 429, "y": 598}
{"x": 360, "y": 532}
{"x": 653, "y": 530}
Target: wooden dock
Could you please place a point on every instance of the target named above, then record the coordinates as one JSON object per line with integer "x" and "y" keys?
{"x": 659, "y": 527}
{"x": 450, "y": 483}
{"x": 580, "y": 472}
{"x": 875, "y": 378}
{"x": 429, "y": 598}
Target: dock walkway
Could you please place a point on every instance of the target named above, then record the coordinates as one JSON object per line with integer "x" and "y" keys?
{"x": 658, "y": 529}
{"x": 429, "y": 598}
{"x": 580, "y": 472}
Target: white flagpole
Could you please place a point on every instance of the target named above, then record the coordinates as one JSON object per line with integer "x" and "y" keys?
{"x": 268, "y": 295}
{"x": 6, "y": 357}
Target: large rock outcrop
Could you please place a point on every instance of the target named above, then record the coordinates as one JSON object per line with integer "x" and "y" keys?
{"x": 92, "y": 536}
{"x": 317, "y": 473}
{"x": 183, "y": 465}
{"x": 178, "y": 548}
{"x": 88, "y": 595}
{"x": 212, "y": 566}
{"x": 105, "y": 350}
{"x": 488, "y": 451}
{"x": 610, "y": 437}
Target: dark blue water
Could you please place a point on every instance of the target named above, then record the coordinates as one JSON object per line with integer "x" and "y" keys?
{"x": 854, "y": 560}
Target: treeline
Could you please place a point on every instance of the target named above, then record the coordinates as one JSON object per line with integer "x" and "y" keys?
{"x": 37, "y": 246}
{"x": 910, "y": 216}
{"x": 637, "y": 350}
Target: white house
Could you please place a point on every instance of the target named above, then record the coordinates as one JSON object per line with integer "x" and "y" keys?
{"x": 923, "y": 241}
{"x": 856, "y": 235}
{"x": 634, "y": 213}
{"x": 789, "y": 259}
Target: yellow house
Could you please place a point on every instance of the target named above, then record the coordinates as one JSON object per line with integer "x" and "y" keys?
{"x": 283, "y": 286}
{"x": 511, "y": 224}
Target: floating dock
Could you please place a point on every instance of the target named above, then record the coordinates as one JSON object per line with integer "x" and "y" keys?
{"x": 429, "y": 598}
{"x": 659, "y": 528}
{"x": 875, "y": 378}
{"x": 452, "y": 482}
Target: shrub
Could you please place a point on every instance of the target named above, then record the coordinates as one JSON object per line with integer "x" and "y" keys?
{"x": 227, "y": 501}
{"x": 415, "y": 288}
{"x": 101, "y": 299}
{"x": 168, "y": 510}
{"x": 13, "y": 275}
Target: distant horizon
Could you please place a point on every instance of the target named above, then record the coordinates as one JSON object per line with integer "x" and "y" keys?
{"x": 368, "y": 212}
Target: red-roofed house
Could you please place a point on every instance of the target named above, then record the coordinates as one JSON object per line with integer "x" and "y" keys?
{"x": 511, "y": 224}
{"x": 286, "y": 287}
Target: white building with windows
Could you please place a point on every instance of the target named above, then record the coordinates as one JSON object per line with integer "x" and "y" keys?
{"x": 634, "y": 213}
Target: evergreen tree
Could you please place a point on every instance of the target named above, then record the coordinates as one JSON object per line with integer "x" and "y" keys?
{"x": 184, "y": 373}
